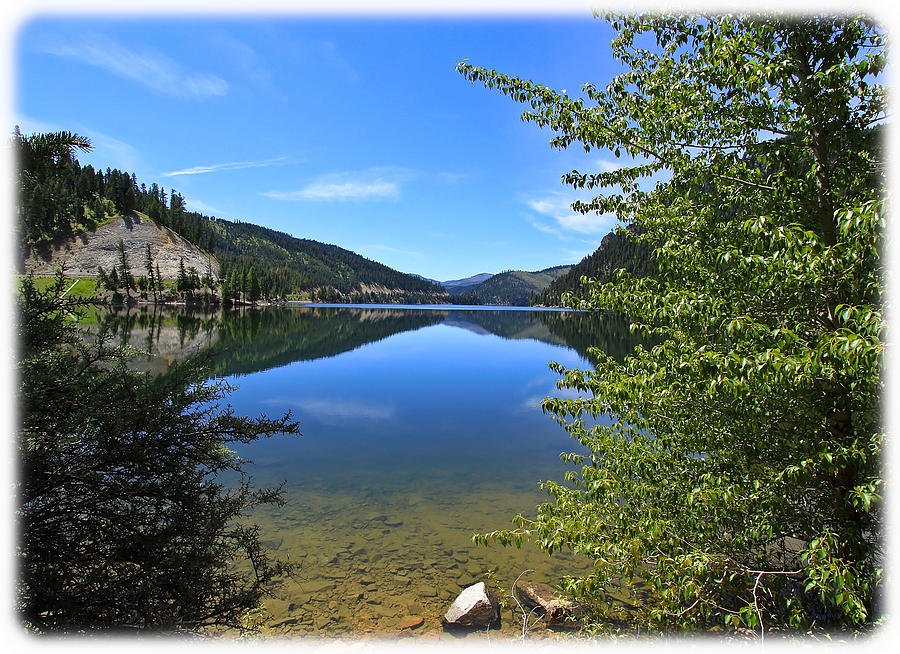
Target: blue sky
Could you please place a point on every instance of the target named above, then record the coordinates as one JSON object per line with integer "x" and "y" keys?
{"x": 353, "y": 130}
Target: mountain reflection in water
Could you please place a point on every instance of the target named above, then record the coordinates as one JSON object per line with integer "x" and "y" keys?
{"x": 420, "y": 427}
{"x": 252, "y": 340}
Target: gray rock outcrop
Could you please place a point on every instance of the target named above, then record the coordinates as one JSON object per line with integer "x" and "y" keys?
{"x": 81, "y": 255}
{"x": 475, "y": 606}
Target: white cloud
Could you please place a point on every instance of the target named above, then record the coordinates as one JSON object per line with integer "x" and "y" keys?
{"x": 323, "y": 190}
{"x": 236, "y": 165}
{"x": 202, "y": 207}
{"x": 373, "y": 184}
{"x": 576, "y": 256}
{"x": 330, "y": 410}
{"x": 608, "y": 166}
{"x": 557, "y": 207}
{"x": 154, "y": 70}
{"x": 118, "y": 153}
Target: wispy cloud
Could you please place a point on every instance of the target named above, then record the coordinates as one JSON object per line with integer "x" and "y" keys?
{"x": 325, "y": 190}
{"x": 373, "y": 184}
{"x": 320, "y": 54}
{"x": 235, "y": 165}
{"x": 557, "y": 207}
{"x": 450, "y": 178}
{"x": 392, "y": 250}
{"x": 111, "y": 151}
{"x": 151, "y": 69}
{"x": 201, "y": 207}
{"x": 574, "y": 256}
{"x": 329, "y": 410}
{"x": 244, "y": 59}
{"x": 608, "y": 166}
{"x": 123, "y": 155}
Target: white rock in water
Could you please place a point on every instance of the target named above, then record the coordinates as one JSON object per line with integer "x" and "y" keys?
{"x": 473, "y": 607}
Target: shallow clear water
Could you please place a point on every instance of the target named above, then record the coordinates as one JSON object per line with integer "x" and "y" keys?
{"x": 420, "y": 428}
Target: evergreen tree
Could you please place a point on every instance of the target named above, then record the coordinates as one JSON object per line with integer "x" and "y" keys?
{"x": 126, "y": 279}
{"x": 122, "y": 521}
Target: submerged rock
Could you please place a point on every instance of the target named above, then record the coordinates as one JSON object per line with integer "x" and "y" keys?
{"x": 475, "y": 606}
{"x": 411, "y": 622}
{"x": 554, "y": 607}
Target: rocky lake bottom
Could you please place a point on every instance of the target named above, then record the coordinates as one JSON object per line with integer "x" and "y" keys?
{"x": 387, "y": 563}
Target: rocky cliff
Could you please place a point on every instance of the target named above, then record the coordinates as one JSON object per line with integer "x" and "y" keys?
{"x": 81, "y": 255}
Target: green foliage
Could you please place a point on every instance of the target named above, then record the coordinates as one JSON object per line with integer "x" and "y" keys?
{"x": 285, "y": 265}
{"x": 615, "y": 252}
{"x": 124, "y": 522}
{"x": 741, "y": 477}
{"x": 59, "y": 198}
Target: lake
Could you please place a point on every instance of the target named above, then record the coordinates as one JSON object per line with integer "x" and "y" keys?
{"x": 420, "y": 426}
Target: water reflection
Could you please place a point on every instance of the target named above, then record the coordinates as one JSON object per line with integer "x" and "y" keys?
{"x": 252, "y": 340}
{"x": 420, "y": 427}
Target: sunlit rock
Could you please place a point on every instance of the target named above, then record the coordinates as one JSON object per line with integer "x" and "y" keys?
{"x": 475, "y": 606}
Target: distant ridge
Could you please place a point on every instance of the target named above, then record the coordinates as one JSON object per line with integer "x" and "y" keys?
{"x": 465, "y": 285}
{"x": 514, "y": 287}
{"x": 85, "y": 219}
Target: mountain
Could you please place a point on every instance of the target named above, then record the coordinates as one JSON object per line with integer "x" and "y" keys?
{"x": 515, "y": 287}
{"x": 78, "y": 216}
{"x": 615, "y": 251}
{"x": 462, "y": 286}
{"x": 303, "y": 267}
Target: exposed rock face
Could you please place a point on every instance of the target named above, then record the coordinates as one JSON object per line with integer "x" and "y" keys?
{"x": 81, "y": 255}
{"x": 475, "y": 606}
{"x": 556, "y": 609}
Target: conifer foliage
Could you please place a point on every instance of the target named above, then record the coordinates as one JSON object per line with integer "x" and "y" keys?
{"x": 124, "y": 517}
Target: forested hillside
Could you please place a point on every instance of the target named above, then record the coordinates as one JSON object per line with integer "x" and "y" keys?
{"x": 60, "y": 199}
{"x": 615, "y": 252}
{"x": 325, "y": 272}
{"x": 514, "y": 287}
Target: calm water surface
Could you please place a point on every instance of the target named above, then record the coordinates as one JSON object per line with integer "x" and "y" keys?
{"x": 420, "y": 428}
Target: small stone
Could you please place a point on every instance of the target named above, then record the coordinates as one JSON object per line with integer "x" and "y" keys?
{"x": 411, "y": 622}
{"x": 475, "y": 606}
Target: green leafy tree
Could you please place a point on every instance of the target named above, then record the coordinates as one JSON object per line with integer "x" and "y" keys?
{"x": 124, "y": 522}
{"x": 740, "y": 478}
